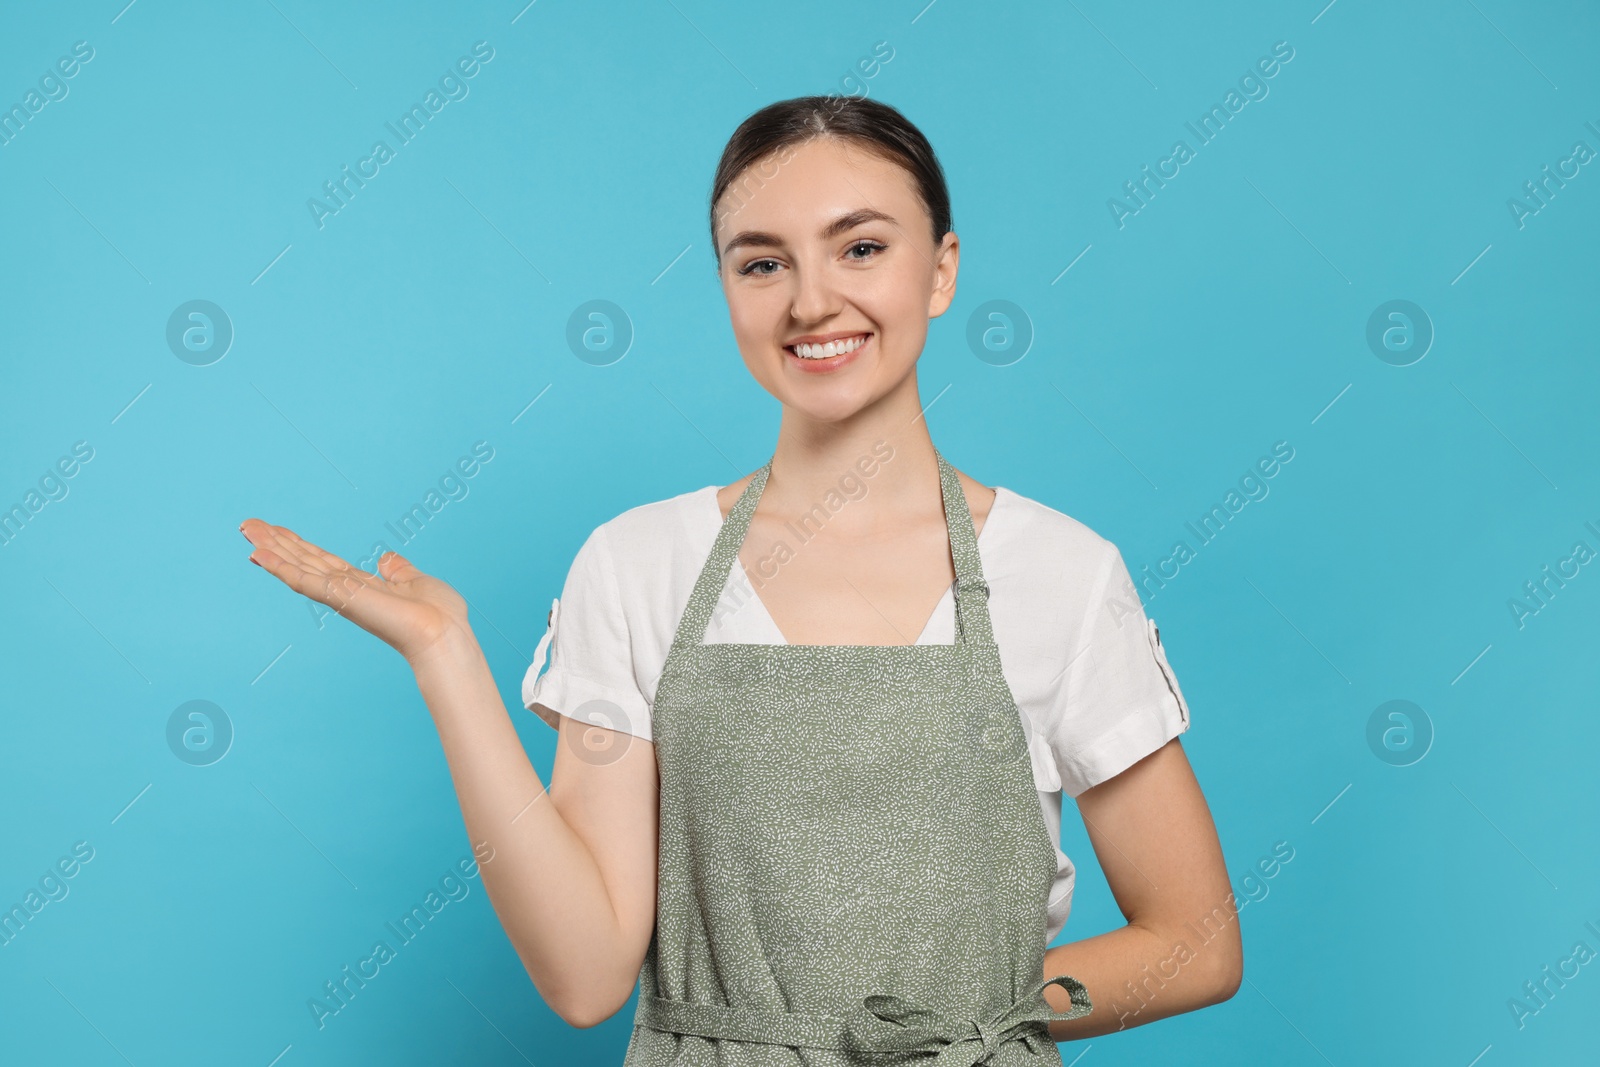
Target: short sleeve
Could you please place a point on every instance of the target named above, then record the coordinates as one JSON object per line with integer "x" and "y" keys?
{"x": 591, "y": 675}
{"x": 1118, "y": 700}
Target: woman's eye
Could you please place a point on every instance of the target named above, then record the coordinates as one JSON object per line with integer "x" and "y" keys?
{"x": 757, "y": 266}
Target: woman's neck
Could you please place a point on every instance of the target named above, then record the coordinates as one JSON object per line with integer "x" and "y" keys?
{"x": 882, "y": 456}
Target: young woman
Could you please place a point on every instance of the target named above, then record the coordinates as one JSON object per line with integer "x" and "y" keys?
{"x": 815, "y": 725}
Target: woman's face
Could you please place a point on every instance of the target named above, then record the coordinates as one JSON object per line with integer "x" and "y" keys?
{"x": 826, "y": 241}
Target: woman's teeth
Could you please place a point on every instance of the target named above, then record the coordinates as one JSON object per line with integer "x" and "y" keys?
{"x": 832, "y": 348}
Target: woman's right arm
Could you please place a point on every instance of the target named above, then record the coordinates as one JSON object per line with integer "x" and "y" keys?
{"x": 572, "y": 873}
{"x": 573, "y": 878}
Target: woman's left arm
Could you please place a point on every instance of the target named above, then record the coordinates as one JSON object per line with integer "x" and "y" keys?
{"x": 1153, "y": 835}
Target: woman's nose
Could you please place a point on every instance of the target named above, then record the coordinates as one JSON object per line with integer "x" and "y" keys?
{"x": 816, "y": 297}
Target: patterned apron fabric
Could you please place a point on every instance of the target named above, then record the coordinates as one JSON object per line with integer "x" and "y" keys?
{"x": 854, "y": 867}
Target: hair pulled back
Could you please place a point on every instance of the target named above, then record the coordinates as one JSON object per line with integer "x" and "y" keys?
{"x": 769, "y": 136}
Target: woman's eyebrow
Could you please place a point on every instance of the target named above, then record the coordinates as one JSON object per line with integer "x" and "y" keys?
{"x": 843, "y": 224}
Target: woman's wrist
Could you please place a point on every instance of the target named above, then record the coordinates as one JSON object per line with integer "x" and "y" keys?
{"x": 456, "y": 647}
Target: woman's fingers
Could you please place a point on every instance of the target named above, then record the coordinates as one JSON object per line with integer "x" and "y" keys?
{"x": 285, "y": 543}
{"x": 312, "y": 552}
{"x": 400, "y": 604}
{"x": 396, "y": 568}
{"x": 291, "y": 574}
{"x": 309, "y": 557}
{"x": 303, "y": 567}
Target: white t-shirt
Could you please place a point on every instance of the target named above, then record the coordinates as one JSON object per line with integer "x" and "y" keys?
{"x": 1084, "y": 663}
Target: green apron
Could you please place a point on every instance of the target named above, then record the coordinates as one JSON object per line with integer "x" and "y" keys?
{"x": 853, "y": 861}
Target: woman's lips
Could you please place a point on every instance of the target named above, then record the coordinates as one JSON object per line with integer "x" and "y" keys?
{"x": 830, "y": 363}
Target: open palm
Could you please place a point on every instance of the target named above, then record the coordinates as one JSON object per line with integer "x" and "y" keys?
{"x": 407, "y": 609}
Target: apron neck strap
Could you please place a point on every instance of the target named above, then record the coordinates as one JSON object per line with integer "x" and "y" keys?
{"x": 971, "y": 595}
{"x": 972, "y": 592}
{"x": 719, "y": 564}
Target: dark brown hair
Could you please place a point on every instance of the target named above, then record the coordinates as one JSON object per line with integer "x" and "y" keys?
{"x": 875, "y": 126}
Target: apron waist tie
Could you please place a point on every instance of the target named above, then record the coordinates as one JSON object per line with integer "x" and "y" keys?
{"x": 882, "y": 1023}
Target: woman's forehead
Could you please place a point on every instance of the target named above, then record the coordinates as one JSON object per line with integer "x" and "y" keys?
{"x": 802, "y": 193}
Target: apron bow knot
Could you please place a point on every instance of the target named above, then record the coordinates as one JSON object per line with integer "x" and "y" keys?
{"x": 990, "y": 1037}
{"x": 913, "y": 1027}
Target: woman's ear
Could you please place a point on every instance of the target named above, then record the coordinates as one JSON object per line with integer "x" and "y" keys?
{"x": 945, "y": 264}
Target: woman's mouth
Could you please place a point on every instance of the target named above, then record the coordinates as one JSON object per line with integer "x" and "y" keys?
{"x": 827, "y": 357}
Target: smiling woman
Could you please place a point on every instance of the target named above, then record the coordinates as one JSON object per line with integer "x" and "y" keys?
{"x": 895, "y": 252}
{"x": 809, "y": 726}
{"x": 824, "y": 822}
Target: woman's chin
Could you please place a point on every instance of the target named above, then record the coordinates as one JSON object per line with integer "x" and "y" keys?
{"x": 831, "y": 403}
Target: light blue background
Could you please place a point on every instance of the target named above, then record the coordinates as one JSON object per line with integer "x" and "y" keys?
{"x": 1228, "y": 314}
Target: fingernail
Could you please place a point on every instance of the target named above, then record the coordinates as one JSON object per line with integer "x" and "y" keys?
{"x": 255, "y": 561}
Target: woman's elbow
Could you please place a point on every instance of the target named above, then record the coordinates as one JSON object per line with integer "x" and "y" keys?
{"x": 1227, "y": 973}
{"x": 585, "y": 1016}
{"x": 580, "y": 1005}
{"x": 585, "y": 1012}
